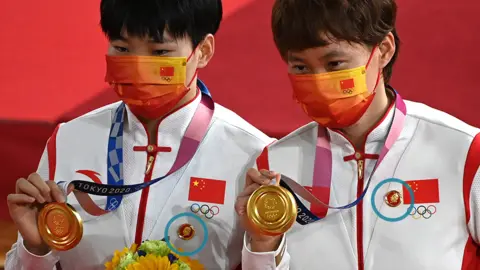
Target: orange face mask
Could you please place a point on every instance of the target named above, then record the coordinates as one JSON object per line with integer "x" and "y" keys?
{"x": 150, "y": 86}
{"x": 334, "y": 99}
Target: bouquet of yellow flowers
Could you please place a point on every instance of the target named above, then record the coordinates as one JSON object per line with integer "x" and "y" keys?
{"x": 151, "y": 255}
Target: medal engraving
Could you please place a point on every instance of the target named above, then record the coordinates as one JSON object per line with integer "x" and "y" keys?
{"x": 272, "y": 210}
{"x": 60, "y": 226}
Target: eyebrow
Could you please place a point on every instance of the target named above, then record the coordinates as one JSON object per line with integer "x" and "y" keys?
{"x": 162, "y": 40}
{"x": 331, "y": 54}
{"x": 294, "y": 58}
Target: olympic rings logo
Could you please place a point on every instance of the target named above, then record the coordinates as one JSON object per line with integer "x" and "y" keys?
{"x": 113, "y": 204}
{"x": 422, "y": 211}
{"x": 207, "y": 211}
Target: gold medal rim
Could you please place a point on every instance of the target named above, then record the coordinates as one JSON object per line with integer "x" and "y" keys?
{"x": 387, "y": 201}
{"x": 285, "y": 222}
{"x": 75, "y": 233}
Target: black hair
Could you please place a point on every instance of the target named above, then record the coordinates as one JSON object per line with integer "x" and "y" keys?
{"x": 298, "y": 24}
{"x": 150, "y": 18}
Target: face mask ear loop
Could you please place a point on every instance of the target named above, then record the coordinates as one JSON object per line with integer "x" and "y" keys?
{"x": 379, "y": 72}
{"x": 371, "y": 56}
{"x": 191, "y": 81}
{"x": 196, "y": 71}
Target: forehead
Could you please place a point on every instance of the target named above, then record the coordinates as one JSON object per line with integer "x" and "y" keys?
{"x": 334, "y": 48}
{"x": 166, "y": 37}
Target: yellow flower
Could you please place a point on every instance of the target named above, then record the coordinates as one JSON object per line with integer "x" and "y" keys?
{"x": 152, "y": 262}
{"x": 111, "y": 265}
{"x": 126, "y": 259}
{"x": 193, "y": 264}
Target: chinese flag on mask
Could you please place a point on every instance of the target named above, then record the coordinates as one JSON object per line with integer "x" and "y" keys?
{"x": 424, "y": 191}
{"x": 167, "y": 71}
{"x": 207, "y": 190}
{"x": 347, "y": 84}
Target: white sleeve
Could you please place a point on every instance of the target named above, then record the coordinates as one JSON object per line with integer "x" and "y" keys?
{"x": 19, "y": 258}
{"x": 274, "y": 260}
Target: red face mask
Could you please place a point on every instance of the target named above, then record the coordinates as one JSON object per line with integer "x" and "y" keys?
{"x": 334, "y": 99}
{"x": 150, "y": 86}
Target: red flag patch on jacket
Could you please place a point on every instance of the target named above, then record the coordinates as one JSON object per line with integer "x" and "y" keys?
{"x": 207, "y": 190}
{"x": 424, "y": 191}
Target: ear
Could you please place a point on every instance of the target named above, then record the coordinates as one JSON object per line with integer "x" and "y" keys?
{"x": 387, "y": 49}
{"x": 206, "y": 51}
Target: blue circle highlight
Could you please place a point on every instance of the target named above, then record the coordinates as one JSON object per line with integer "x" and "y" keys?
{"x": 204, "y": 227}
{"x": 393, "y": 180}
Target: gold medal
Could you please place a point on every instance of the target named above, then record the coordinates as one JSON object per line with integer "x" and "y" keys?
{"x": 272, "y": 210}
{"x": 60, "y": 226}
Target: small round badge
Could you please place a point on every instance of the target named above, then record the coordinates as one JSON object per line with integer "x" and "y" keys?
{"x": 393, "y": 198}
{"x": 186, "y": 248}
{"x": 186, "y": 231}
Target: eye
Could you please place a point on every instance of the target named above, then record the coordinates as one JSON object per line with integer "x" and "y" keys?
{"x": 160, "y": 52}
{"x": 299, "y": 69}
{"x": 335, "y": 65}
{"x": 120, "y": 49}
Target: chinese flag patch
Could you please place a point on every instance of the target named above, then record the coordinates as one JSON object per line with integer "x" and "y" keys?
{"x": 167, "y": 71}
{"x": 323, "y": 194}
{"x": 207, "y": 190}
{"x": 347, "y": 84}
{"x": 424, "y": 191}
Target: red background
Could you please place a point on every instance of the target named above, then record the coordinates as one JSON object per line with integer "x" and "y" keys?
{"x": 52, "y": 68}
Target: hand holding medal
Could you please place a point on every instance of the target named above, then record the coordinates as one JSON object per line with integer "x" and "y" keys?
{"x": 59, "y": 226}
{"x": 271, "y": 209}
{"x": 267, "y": 210}
{"x": 42, "y": 217}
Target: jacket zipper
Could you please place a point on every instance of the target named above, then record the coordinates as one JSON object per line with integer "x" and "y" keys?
{"x": 150, "y": 162}
{"x": 152, "y": 150}
{"x": 151, "y": 157}
{"x": 359, "y": 219}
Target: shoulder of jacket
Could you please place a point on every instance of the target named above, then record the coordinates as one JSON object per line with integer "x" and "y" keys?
{"x": 99, "y": 115}
{"x": 226, "y": 117}
{"x": 298, "y": 132}
{"x": 441, "y": 120}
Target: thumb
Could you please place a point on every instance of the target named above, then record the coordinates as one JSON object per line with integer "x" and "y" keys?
{"x": 277, "y": 179}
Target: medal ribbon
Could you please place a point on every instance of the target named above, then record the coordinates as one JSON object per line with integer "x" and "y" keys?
{"x": 115, "y": 189}
{"x": 322, "y": 174}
